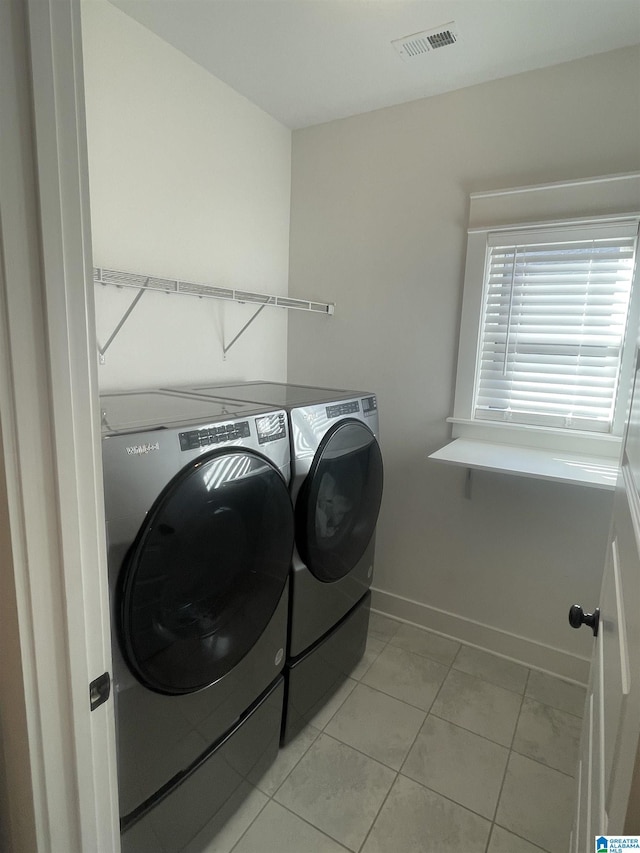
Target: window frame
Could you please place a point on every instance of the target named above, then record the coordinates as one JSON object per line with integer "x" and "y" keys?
{"x": 465, "y": 424}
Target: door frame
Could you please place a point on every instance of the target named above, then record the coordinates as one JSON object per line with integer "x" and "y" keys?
{"x": 58, "y": 790}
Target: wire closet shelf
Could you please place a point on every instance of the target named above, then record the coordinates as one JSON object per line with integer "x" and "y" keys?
{"x": 145, "y": 283}
{"x": 118, "y": 278}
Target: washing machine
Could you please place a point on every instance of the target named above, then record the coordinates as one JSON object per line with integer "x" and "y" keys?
{"x": 336, "y": 487}
{"x": 200, "y": 533}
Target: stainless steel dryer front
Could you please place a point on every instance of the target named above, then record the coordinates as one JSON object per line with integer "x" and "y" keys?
{"x": 200, "y": 535}
{"x": 336, "y": 487}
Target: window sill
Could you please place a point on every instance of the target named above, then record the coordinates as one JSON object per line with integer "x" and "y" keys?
{"x": 560, "y": 466}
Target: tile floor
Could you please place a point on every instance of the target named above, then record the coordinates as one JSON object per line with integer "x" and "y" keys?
{"x": 431, "y": 747}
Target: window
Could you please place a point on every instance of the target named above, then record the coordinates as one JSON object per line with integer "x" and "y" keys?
{"x": 553, "y": 320}
{"x": 550, "y": 319}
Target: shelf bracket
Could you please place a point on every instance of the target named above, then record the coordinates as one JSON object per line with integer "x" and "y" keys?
{"x": 227, "y": 347}
{"x": 123, "y": 320}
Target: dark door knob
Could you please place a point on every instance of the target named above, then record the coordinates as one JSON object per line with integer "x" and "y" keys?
{"x": 578, "y": 617}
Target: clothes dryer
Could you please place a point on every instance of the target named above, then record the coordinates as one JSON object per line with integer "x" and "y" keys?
{"x": 336, "y": 487}
{"x": 200, "y": 535}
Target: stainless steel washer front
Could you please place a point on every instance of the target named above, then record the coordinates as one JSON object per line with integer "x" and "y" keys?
{"x": 200, "y": 536}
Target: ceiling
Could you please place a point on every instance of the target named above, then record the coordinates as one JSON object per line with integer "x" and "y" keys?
{"x": 310, "y": 61}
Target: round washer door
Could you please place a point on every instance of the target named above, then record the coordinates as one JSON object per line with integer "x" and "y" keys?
{"x": 338, "y": 504}
{"x": 206, "y": 571}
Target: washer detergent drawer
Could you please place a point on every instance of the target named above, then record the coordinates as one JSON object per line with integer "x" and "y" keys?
{"x": 196, "y": 808}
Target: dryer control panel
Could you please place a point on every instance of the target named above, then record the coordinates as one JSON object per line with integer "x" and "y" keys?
{"x": 369, "y": 406}
{"x": 271, "y": 427}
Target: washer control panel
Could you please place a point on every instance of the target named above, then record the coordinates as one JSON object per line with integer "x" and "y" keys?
{"x": 206, "y": 436}
{"x": 271, "y": 427}
{"x": 341, "y": 409}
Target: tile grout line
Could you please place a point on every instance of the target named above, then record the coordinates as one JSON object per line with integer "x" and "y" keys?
{"x": 449, "y": 799}
{"x": 313, "y": 826}
{"x": 377, "y": 815}
{"x": 397, "y": 772}
{"x": 469, "y": 731}
{"x": 322, "y": 728}
{"x": 391, "y": 696}
{"x": 430, "y": 713}
{"x": 248, "y": 827}
{"x": 484, "y": 678}
{"x": 388, "y": 696}
{"x": 555, "y": 708}
{"x": 448, "y": 667}
{"x": 506, "y": 766}
{"x": 512, "y": 751}
{"x": 359, "y": 680}
{"x": 410, "y": 704}
{"x": 364, "y": 754}
{"x": 272, "y": 795}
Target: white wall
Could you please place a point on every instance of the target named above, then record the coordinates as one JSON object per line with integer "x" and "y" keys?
{"x": 379, "y": 211}
{"x": 188, "y": 180}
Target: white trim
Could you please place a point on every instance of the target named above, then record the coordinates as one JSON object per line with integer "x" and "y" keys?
{"x": 633, "y": 499}
{"x": 580, "y": 182}
{"x": 32, "y": 545}
{"x": 502, "y": 643}
{"x": 470, "y": 326}
{"x": 632, "y": 217}
{"x": 56, "y": 54}
{"x": 613, "y": 195}
{"x": 48, "y": 397}
{"x": 525, "y": 435}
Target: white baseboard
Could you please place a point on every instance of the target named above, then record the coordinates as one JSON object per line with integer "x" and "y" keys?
{"x": 511, "y": 646}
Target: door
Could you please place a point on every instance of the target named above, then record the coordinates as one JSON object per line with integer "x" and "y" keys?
{"x": 338, "y": 504}
{"x": 611, "y": 725}
{"x": 206, "y": 571}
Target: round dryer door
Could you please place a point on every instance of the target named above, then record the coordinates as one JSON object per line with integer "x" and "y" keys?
{"x": 206, "y": 571}
{"x": 338, "y": 504}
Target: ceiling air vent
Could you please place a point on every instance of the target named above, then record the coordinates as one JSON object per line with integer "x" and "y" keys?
{"x": 417, "y": 45}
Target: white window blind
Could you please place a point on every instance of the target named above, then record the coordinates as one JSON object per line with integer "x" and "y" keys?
{"x": 553, "y": 323}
